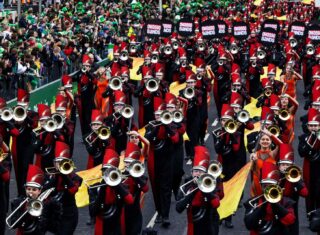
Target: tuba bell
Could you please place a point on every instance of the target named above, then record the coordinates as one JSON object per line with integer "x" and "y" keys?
{"x": 136, "y": 169}
{"x": 127, "y": 111}
{"x": 19, "y": 113}
{"x": 230, "y": 126}
{"x": 7, "y": 114}
{"x": 215, "y": 168}
{"x": 293, "y": 174}
{"x": 115, "y": 83}
{"x": 243, "y": 116}
{"x": 177, "y": 116}
{"x": 152, "y": 84}
{"x": 284, "y": 114}
{"x": 166, "y": 117}
{"x": 310, "y": 50}
{"x": 275, "y": 130}
{"x": 189, "y": 92}
{"x": 261, "y": 54}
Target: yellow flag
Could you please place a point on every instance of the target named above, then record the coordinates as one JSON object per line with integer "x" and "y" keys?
{"x": 137, "y": 62}
{"x": 232, "y": 192}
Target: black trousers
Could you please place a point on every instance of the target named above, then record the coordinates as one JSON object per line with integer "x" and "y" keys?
{"x": 69, "y": 220}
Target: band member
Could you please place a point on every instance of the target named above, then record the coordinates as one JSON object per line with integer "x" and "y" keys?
{"x": 5, "y": 166}
{"x": 309, "y": 150}
{"x": 227, "y": 145}
{"x": 162, "y": 138}
{"x": 264, "y": 152}
{"x": 66, "y": 91}
{"x": 277, "y": 86}
{"x": 67, "y": 126}
{"x": 264, "y": 98}
{"x": 22, "y": 148}
{"x": 137, "y": 184}
{"x": 293, "y": 186}
{"x": 30, "y": 224}
{"x": 96, "y": 145}
{"x": 110, "y": 198}
{"x": 194, "y": 97}
{"x": 202, "y": 214}
{"x": 172, "y": 105}
{"x": 85, "y": 104}
{"x": 264, "y": 215}
{"x": 66, "y": 185}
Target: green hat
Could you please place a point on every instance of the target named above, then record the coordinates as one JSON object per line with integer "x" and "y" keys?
{"x": 39, "y": 45}
{"x": 101, "y": 19}
{"x": 64, "y": 9}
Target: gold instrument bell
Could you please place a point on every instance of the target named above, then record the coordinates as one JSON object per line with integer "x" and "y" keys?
{"x": 293, "y": 174}
{"x": 275, "y": 130}
{"x": 65, "y": 167}
{"x": 3, "y": 155}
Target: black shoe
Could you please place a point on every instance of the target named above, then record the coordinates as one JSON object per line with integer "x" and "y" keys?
{"x": 165, "y": 222}
{"x": 158, "y": 219}
{"x": 228, "y": 224}
{"x": 91, "y": 221}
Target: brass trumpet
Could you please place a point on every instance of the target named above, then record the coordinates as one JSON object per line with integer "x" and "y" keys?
{"x": 275, "y": 130}
{"x": 293, "y": 174}
{"x": 215, "y": 168}
{"x": 254, "y": 63}
{"x": 50, "y": 125}
{"x": 7, "y": 114}
{"x": 132, "y": 48}
{"x": 167, "y": 50}
{"x": 124, "y": 56}
{"x": 201, "y": 46}
{"x": 205, "y": 183}
{"x": 64, "y": 166}
{"x": 34, "y": 207}
{"x": 103, "y": 133}
{"x": 189, "y": 92}
{"x": 115, "y": 83}
{"x": 58, "y": 119}
{"x": 293, "y": 42}
{"x": 310, "y": 50}
{"x": 166, "y": 117}
{"x": 152, "y": 84}
{"x": 271, "y": 194}
{"x": 175, "y": 45}
{"x": 284, "y": 114}
{"x": 154, "y": 58}
{"x": 261, "y": 54}
{"x": 234, "y": 49}
{"x": 268, "y": 92}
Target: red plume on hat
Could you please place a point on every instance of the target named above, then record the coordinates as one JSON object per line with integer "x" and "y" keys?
{"x": 158, "y": 105}
{"x": 286, "y": 153}
{"x": 170, "y": 99}
{"x": 166, "y": 41}
{"x": 266, "y": 115}
{"x": 146, "y": 72}
{"x": 265, "y": 82}
{"x": 227, "y": 111}
{"x": 201, "y": 158}
{"x": 159, "y": 68}
{"x": 200, "y": 64}
{"x": 316, "y": 71}
{"x": 22, "y": 96}
{"x": 86, "y": 60}
{"x": 110, "y": 159}
{"x": 146, "y": 54}
{"x": 44, "y": 111}
{"x": 272, "y": 69}
{"x": 96, "y": 116}
{"x": 133, "y": 39}
{"x": 115, "y": 70}
{"x": 270, "y": 173}
{"x": 235, "y": 68}
{"x": 123, "y": 47}
{"x": 236, "y": 100}
{"x": 274, "y": 102}
{"x": 316, "y": 86}
{"x": 125, "y": 71}
{"x": 313, "y": 116}
{"x": 119, "y": 97}
{"x": 116, "y": 50}
{"x": 66, "y": 81}
{"x": 132, "y": 152}
{"x": 235, "y": 78}
{"x": 154, "y": 48}
{"x": 61, "y": 102}
{"x": 3, "y": 103}
{"x": 35, "y": 176}
{"x": 62, "y": 150}
{"x": 315, "y": 97}
{"x": 174, "y": 36}
{"x": 182, "y": 52}
{"x": 252, "y": 51}
{"x": 190, "y": 75}
{"x": 199, "y": 37}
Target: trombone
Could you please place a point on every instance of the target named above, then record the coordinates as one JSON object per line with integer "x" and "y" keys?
{"x": 33, "y": 206}
{"x": 313, "y": 138}
{"x": 127, "y": 111}
{"x": 166, "y": 117}
{"x": 205, "y": 183}
{"x": 230, "y": 126}
{"x": 271, "y": 194}
{"x": 261, "y": 54}
{"x": 284, "y": 114}
{"x": 111, "y": 177}
{"x": 293, "y": 174}
{"x": 177, "y": 116}
{"x": 310, "y": 50}
{"x": 243, "y": 116}
{"x": 64, "y": 166}
{"x": 152, "y": 84}
{"x": 58, "y": 119}
{"x": 136, "y": 169}
{"x": 50, "y": 126}
{"x": 268, "y": 92}
{"x": 189, "y": 92}
{"x": 103, "y": 133}
{"x": 274, "y": 129}
{"x": 215, "y": 168}
{"x": 115, "y": 83}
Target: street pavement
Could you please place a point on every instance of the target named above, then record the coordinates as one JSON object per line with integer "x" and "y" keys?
{"x": 179, "y": 221}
